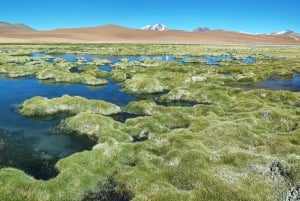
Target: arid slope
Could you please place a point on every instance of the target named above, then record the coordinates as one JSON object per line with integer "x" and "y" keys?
{"x": 115, "y": 34}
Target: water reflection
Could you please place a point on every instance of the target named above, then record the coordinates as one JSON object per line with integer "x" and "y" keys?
{"x": 248, "y": 60}
{"x": 85, "y": 58}
{"x": 37, "y": 155}
{"x": 276, "y": 83}
{"x": 30, "y": 144}
{"x": 106, "y": 68}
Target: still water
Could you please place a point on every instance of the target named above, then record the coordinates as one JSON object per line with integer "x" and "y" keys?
{"x": 34, "y": 145}
{"x": 276, "y": 83}
{"x": 84, "y": 58}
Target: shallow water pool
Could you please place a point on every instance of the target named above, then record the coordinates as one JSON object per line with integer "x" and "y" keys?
{"x": 276, "y": 83}
{"x": 35, "y": 145}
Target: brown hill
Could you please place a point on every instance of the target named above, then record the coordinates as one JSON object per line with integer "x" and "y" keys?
{"x": 115, "y": 34}
{"x": 8, "y": 27}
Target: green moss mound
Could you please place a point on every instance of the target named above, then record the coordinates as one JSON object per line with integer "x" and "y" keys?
{"x": 142, "y": 84}
{"x": 96, "y": 126}
{"x": 40, "y": 106}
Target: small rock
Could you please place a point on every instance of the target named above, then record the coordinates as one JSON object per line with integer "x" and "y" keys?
{"x": 293, "y": 193}
{"x": 195, "y": 79}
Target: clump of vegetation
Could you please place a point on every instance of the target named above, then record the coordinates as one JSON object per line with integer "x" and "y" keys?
{"x": 142, "y": 84}
{"x": 62, "y": 76}
{"x": 100, "y": 62}
{"x": 146, "y": 107}
{"x": 58, "y": 71}
{"x": 96, "y": 126}
{"x": 40, "y": 106}
{"x": 105, "y": 190}
{"x": 118, "y": 75}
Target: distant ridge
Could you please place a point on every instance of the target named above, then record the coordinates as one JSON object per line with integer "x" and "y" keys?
{"x": 279, "y": 33}
{"x": 285, "y": 32}
{"x": 5, "y": 26}
{"x": 201, "y": 29}
{"x": 20, "y": 33}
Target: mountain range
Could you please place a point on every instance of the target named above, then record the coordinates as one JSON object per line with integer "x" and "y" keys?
{"x": 159, "y": 33}
{"x": 201, "y": 29}
{"x": 155, "y": 27}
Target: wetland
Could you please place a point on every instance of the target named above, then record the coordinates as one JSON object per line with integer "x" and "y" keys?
{"x": 149, "y": 122}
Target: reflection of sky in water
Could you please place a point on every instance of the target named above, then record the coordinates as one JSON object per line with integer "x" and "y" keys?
{"x": 37, "y": 155}
{"x": 211, "y": 60}
{"x": 14, "y": 92}
{"x": 39, "y": 150}
{"x": 88, "y": 58}
{"x": 276, "y": 83}
{"x": 248, "y": 60}
{"x": 106, "y": 68}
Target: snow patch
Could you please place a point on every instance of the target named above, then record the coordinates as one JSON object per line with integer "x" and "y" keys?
{"x": 155, "y": 27}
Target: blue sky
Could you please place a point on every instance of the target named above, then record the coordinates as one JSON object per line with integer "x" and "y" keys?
{"x": 255, "y": 16}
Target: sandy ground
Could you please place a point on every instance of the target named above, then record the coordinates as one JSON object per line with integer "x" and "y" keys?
{"x": 117, "y": 34}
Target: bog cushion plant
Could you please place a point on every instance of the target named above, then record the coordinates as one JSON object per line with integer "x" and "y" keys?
{"x": 40, "y": 106}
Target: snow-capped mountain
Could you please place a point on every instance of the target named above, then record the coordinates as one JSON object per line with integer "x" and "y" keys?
{"x": 285, "y": 32}
{"x": 249, "y": 33}
{"x": 155, "y": 27}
